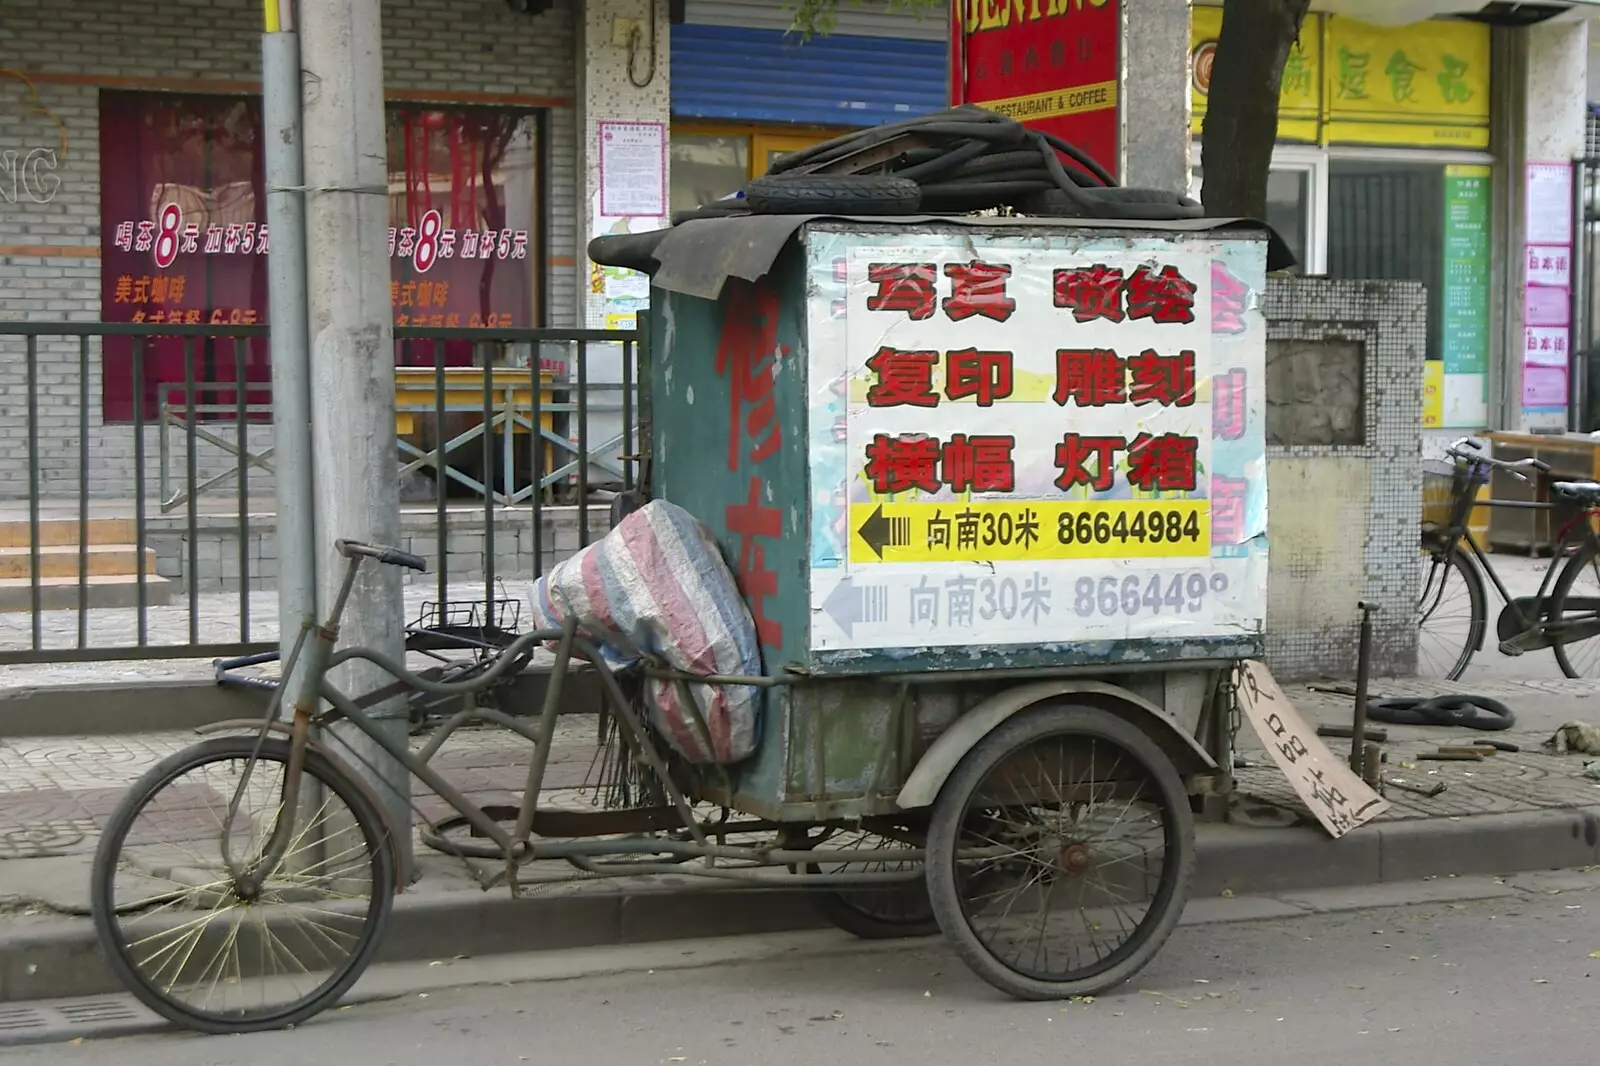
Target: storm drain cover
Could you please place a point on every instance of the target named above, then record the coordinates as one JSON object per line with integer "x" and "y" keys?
{"x": 49, "y": 1021}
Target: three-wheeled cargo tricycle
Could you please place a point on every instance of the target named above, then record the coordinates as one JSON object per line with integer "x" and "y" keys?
{"x": 992, "y": 493}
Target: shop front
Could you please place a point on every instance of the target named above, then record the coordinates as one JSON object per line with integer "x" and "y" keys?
{"x": 745, "y": 90}
{"x": 1383, "y": 170}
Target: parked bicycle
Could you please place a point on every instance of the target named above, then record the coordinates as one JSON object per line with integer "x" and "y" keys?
{"x": 1453, "y": 608}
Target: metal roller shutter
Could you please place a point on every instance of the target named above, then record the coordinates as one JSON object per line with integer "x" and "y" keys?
{"x": 762, "y": 75}
{"x": 865, "y": 19}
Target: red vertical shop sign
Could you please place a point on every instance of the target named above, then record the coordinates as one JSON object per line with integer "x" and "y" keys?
{"x": 1053, "y": 65}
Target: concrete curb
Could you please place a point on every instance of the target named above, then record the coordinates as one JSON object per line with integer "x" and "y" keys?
{"x": 61, "y": 959}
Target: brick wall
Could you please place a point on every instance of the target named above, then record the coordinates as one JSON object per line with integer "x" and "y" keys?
{"x": 50, "y": 236}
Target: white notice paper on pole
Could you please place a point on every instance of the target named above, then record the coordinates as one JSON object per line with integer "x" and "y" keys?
{"x": 1549, "y": 193}
{"x": 1336, "y": 795}
{"x": 633, "y": 169}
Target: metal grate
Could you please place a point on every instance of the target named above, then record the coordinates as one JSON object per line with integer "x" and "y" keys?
{"x": 51, "y": 1021}
{"x": 1591, "y": 140}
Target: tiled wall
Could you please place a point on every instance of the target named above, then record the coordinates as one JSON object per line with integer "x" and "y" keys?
{"x": 1344, "y": 517}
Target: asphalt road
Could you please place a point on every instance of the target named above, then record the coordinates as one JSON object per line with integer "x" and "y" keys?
{"x": 1481, "y": 983}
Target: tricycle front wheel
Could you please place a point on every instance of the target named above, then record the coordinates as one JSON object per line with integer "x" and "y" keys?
{"x": 1060, "y": 853}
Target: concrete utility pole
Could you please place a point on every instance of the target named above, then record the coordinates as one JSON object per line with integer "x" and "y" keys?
{"x": 352, "y": 353}
{"x": 286, "y": 286}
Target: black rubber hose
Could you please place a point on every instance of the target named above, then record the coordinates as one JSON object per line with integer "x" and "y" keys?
{"x": 1469, "y": 712}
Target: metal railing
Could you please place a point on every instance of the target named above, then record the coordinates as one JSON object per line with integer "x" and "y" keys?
{"x": 501, "y": 421}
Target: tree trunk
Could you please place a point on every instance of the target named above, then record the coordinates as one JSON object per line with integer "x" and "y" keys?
{"x": 1241, "y": 123}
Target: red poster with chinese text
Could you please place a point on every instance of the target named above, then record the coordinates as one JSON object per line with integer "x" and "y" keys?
{"x": 183, "y": 241}
{"x": 1053, "y": 65}
{"x": 184, "y": 236}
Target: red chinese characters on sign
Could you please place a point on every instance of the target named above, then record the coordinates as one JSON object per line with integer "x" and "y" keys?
{"x": 1099, "y": 377}
{"x": 904, "y": 379}
{"x": 1161, "y": 295}
{"x": 978, "y": 289}
{"x": 1088, "y": 461}
{"x": 747, "y": 354}
{"x": 907, "y": 287}
{"x": 1228, "y": 496}
{"x": 1228, "y": 295}
{"x": 1164, "y": 463}
{"x": 982, "y": 376}
{"x": 1092, "y": 293}
{"x": 1090, "y": 377}
{"x": 966, "y": 463}
{"x": 1229, "y": 405}
{"x": 1167, "y": 380}
{"x": 979, "y": 463}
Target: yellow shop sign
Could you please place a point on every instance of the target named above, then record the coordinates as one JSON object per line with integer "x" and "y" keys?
{"x": 1426, "y": 84}
{"x": 1299, "y": 101}
{"x": 1345, "y": 82}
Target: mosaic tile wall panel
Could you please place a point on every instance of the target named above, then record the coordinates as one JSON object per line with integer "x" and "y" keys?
{"x": 1344, "y": 515}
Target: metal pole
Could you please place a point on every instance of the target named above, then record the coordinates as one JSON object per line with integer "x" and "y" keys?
{"x": 1578, "y": 342}
{"x": 352, "y": 356}
{"x": 286, "y": 286}
{"x": 1358, "y": 727}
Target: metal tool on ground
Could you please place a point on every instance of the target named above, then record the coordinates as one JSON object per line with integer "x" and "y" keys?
{"x": 1450, "y": 756}
{"x": 1430, "y": 790}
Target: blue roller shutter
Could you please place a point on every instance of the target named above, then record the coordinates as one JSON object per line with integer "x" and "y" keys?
{"x": 764, "y": 75}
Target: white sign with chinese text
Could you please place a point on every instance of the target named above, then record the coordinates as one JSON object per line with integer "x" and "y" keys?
{"x": 1016, "y": 441}
{"x": 1340, "y": 800}
{"x": 633, "y": 169}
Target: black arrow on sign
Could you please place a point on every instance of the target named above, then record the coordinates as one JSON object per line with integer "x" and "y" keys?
{"x": 875, "y": 531}
{"x": 879, "y": 531}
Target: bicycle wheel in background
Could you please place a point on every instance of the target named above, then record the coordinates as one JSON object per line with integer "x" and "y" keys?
{"x": 1575, "y": 604}
{"x": 184, "y": 939}
{"x": 1452, "y": 610}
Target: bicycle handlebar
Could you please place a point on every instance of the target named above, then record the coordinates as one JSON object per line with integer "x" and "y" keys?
{"x": 352, "y": 549}
{"x": 1458, "y": 449}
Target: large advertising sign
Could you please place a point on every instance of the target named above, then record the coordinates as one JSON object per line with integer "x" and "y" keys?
{"x": 1019, "y": 440}
{"x": 1053, "y": 65}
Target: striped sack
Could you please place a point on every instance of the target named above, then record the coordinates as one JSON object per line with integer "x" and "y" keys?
{"x": 657, "y": 586}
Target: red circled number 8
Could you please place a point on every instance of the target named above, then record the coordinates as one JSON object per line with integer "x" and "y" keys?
{"x": 427, "y": 250}
{"x": 166, "y": 246}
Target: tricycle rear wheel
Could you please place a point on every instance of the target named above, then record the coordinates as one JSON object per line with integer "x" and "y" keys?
{"x": 1036, "y": 824}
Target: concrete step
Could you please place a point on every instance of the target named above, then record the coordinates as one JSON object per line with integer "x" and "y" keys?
{"x": 55, "y": 532}
{"x": 61, "y": 560}
{"x": 105, "y": 590}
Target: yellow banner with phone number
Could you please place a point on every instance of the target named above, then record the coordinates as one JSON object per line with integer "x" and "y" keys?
{"x": 1034, "y": 530}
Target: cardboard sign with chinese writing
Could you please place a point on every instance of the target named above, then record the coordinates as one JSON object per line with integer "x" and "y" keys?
{"x": 1340, "y": 799}
{"x": 1035, "y": 439}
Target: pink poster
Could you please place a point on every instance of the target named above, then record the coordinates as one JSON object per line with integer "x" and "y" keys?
{"x": 1546, "y": 306}
{"x": 1544, "y": 386}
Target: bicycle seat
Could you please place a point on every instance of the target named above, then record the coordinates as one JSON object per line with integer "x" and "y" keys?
{"x": 1583, "y": 491}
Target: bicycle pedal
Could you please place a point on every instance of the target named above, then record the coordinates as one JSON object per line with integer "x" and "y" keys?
{"x": 1511, "y": 648}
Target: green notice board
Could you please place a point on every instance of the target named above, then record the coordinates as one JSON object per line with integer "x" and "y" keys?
{"x": 1465, "y": 346}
